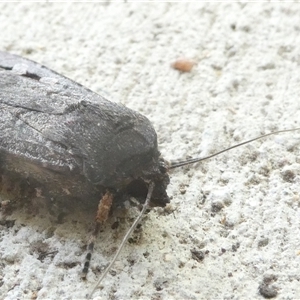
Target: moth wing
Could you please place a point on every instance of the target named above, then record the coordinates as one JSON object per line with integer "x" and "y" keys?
{"x": 49, "y": 121}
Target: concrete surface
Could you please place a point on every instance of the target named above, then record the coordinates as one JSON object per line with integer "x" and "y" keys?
{"x": 241, "y": 208}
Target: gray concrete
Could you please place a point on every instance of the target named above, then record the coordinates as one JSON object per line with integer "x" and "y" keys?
{"x": 246, "y": 82}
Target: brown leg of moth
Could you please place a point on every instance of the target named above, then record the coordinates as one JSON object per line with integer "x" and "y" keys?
{"x": 101, "y": 217}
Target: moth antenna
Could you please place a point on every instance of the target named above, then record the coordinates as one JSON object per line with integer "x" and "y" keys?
{"x": 125, "y": 238}
{"x": 176, "y": 164}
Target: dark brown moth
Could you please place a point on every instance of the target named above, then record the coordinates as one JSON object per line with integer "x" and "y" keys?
{"x": 66, "y": 144}
{"x": 69, "y": 144}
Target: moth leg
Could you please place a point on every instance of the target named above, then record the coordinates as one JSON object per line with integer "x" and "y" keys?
{"x": 101, "y": 217}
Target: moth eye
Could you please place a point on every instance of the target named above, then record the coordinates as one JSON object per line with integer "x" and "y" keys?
{"x": 163, "y": 169}
{"x": 163, "y": 166}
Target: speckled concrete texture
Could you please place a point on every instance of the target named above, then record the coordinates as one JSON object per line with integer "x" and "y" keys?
{"x": 232, "y": 230}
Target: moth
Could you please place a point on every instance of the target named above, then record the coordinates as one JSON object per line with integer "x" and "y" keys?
{"x": 69, "y": 145}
